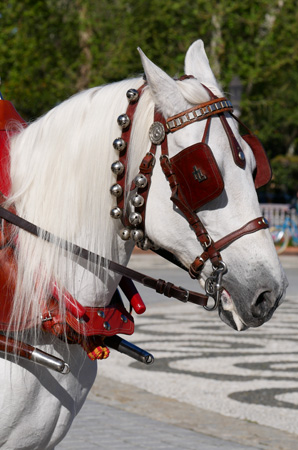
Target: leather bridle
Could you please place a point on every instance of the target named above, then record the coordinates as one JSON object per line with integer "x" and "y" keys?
{"x": 134, "y": 219}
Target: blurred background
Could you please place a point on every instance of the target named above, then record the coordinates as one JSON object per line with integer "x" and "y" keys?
{"x": 51, "y": 49}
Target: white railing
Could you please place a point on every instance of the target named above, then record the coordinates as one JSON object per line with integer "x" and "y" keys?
{"x": 275, "y": 213}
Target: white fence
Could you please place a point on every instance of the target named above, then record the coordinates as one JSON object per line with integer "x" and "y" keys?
{"x": 275, "y": 213}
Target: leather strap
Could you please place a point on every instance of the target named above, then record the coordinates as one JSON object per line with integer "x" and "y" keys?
{"x": 260, "y": 223}
{"x": 237, "y": 152}
{"x": 235, "y": 147}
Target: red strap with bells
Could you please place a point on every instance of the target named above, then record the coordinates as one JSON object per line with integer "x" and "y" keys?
{"x": 123, "y": 154}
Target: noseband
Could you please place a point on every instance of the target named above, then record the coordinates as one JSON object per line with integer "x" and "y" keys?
{"x": 195, "y": 163}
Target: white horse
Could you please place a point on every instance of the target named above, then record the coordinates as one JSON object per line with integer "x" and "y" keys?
{"x": 61, "y": 178}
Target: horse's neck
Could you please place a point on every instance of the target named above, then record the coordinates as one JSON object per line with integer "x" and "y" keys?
{"x": 94, "y": 285}
{"x": 61, "y": 181}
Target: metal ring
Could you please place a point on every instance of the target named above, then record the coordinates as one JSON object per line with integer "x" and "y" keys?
{"x": 215, "y": 306}
{"x": 221, "y": 269}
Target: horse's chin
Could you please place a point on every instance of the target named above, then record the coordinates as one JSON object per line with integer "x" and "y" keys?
{"x": 231, "y": 319}
{"x": 229, "y": 315}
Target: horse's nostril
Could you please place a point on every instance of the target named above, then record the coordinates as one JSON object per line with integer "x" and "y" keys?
{"x": 261, "y": 306}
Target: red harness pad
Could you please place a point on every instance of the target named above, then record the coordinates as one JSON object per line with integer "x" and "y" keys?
{"x": 4, "y": 163}
{"x": 8, "y": 119}
{"x": 105, "y": 321}
{"x": 198, "y": 174}
{"x": 8, "y": 270}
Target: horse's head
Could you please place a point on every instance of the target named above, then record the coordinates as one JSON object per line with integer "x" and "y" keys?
{"x": 251, "y": 282}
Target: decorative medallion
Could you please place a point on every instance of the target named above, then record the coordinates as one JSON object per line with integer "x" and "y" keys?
{"x": 157, "y": 133}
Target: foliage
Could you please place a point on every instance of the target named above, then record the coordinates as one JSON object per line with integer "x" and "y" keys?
{"x": 52, "y": 48}
{"x": 285, "y": 169}
{"x": 39, "y": 52}
{"x": 284, "y": 185}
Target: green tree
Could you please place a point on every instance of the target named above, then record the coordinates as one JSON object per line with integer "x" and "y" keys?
{"x": 39, "y": 53}
{"x": 52, "y": 48}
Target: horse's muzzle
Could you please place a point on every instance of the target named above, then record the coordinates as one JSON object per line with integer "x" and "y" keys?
{"x": 256, "y": 314}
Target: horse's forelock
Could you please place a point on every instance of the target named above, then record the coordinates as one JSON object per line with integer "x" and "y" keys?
{"x": 193, "y": 91}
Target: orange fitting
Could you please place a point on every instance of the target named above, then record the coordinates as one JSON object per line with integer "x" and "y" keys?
{"x": 99, "y": 353}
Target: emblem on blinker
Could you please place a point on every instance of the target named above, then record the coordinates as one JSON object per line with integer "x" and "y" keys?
{"x": 198, "y": 175}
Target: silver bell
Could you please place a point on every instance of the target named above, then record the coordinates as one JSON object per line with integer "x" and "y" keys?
{"x": 137, "y": 200}
{"x": 125, "y": 234}
{"x": 137, "y": 235}
{"x": 135, "y": 218}
{"x": 116, "y": 190}
{"x": 146, "y": 244}
{"x": 123, "y": 121}
{"x": 140, "y": 181}
{"x": 117, "y": 167}
{"x": 132, "y": 95}
{"x": 116, "y": 213}
{"x": 119, "y": 144}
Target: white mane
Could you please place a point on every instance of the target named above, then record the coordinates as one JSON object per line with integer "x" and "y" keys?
{"x": 60, "y": 172}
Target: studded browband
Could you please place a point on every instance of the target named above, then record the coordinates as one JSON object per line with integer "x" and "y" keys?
{"x": 198, "y": 112}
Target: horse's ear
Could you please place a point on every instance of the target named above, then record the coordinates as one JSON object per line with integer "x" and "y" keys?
{"x": 167, "y": 97}
{"x": 197, "y": 64}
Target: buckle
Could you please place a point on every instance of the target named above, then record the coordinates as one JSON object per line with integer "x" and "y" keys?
{"x": 206, "y": 245}
{"x": 185, "y": 300}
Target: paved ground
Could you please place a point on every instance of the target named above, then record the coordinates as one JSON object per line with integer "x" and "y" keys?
{"x": 209, "y": 387}
{"x": 121, "y": 430}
